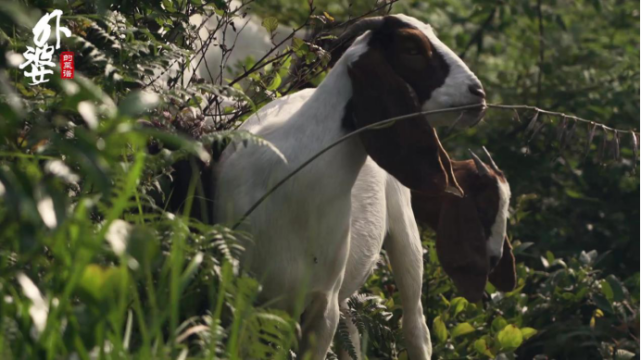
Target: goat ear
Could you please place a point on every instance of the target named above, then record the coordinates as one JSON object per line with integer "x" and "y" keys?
{"x": 503, "y": 276}
{"x": 461, "y": 247}
{"x": 409, "y": 150}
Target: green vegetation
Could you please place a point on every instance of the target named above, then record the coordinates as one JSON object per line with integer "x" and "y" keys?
{"x": 92, "y": 266}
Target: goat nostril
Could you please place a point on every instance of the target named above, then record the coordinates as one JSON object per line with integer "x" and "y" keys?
{"x": 476, "y": 90}
{"x": 494, "y": 260}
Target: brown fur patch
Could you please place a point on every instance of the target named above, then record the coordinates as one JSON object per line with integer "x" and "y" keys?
{"x": 382, "y": 88}
{"x": 463, "y": 227}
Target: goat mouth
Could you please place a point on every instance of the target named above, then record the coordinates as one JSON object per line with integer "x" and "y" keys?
{"x": 469, "y": 117}
{"x": 480, "y": 114}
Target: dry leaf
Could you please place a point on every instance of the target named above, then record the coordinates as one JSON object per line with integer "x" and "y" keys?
{"x": 536, "y": 131}
{"x": 604, "y": 144}
{"x": 615, "y": 146}
{"x": 516, "y": 115}
{"x": 592, "y": 130}
{"x": 569, "y": 134}
{"x": 530, "y": 126}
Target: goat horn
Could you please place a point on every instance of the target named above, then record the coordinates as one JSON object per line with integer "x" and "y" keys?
{"x": 480, "y": 167}
{"x": 359, "y": 28}
{"x": 492, "y": 163}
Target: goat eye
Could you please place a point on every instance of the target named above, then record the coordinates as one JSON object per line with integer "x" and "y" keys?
{"x": 412, "y": 51}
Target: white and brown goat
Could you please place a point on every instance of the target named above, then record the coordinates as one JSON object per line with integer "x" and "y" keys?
{"x": 470, "y": 239}
{"x": 301, "y": 233}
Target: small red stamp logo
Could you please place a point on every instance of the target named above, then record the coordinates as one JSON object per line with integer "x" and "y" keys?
{"x": 66, "y": 65}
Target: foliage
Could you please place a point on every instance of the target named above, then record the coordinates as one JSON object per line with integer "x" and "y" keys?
{"x": 92, "y": 264}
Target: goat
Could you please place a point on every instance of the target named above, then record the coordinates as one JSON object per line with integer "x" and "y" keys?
{"x": 470, "y": 240}
{"x": 248, "y": 39}
{"x": 301, "y": 232}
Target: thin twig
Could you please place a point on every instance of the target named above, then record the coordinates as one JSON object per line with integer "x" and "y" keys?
{"x": 541, "y": 54}
{"x": 382, "y": 124}
{"x": 553, "y": 113}
{"x": 379, "y": 124}
{"x": 478, "y": 33}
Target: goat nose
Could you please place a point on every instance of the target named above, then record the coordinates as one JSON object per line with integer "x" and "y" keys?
{"x": 494, "y": 260}
{"x": 476, "y": 90}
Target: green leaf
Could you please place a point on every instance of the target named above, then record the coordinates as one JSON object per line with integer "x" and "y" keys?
{"x": 498, "y": 324}
{"x": 481, "y": 347}
{"x": 297, "y": 43}
{"x": 462, "y": 329}
{"x": 616, "y": 286}
{"x": 275, "y": 83}
{"x": 191, "y": 269}
{"x": 443, "y": 299}
{"x": 606, "y": 289}
{"x": 602, "y": 303}
{"x": 458, "y": 304}
{"x": 270, "y": 23}
{"x": 550, "y": 257}
{"x": 439, "y": 329}
{"x": 300, "y": 47}
{"x": 528, "y": 332}
{"x": 510, "y": 337}
{"x": 92, "y": 280}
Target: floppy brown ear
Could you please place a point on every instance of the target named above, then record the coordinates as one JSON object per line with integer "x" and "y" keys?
{"x": 409, "y": 149}
{"x": 503, "y": 276}
{"x": 461, "y": 247}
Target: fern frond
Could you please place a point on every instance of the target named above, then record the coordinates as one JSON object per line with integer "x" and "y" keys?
{"x": 226, "y": 137}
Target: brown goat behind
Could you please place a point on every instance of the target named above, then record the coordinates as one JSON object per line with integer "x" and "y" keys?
{"x": 463, "y": 226}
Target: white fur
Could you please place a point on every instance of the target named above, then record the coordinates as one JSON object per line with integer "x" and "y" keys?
{"x": 301, "y": 232}
{"x": 252, "y": 39}
{"x": 449, "y": 94}
{"x": 498, "y": 230}
{"x": 382, "y": 212}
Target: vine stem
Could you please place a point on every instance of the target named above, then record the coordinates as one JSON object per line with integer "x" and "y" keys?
{"x": 390, "y": 121}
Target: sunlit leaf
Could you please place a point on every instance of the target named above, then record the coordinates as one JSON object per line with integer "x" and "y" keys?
{"x": 270, "y": 24}
{"x": 462, "y": 329}
{"x": 440, "y": 329}
{"x": 510, "y": 337}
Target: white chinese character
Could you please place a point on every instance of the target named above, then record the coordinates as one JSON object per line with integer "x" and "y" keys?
{"x": 66, "y": 73}
{"x": 42, "y": 30}
{"x": 38, "y": 58}
{"x": 41, "y": 56}
{"x": 67, "y": 57}
{"x": 67, "y": 65}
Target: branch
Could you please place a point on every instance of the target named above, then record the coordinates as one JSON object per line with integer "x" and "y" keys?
{"x": 541, "y": 54}
{"x": 380, "y": 124}
{"x": 479, "y": 32}
{"x": 414, "y": 116}
{"x": 556, "y": 114}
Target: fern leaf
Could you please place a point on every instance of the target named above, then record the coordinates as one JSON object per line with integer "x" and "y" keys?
{"x": 223, "y": 138}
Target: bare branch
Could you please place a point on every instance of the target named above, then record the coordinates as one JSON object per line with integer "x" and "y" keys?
{"x": 553, "y": 113}
{"x": 478, "y": 33}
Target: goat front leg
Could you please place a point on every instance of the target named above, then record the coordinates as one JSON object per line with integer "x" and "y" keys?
{"x": 403, "y": 246}
{"x": 320, "y": 321}
{"x": 354, "y": 337}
